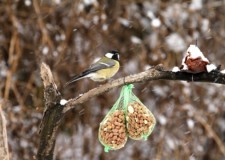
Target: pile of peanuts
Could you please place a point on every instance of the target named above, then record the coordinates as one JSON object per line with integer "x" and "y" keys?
{"x": 115, "y": 128}
{"x": 112, "y": 131}
{"x": 140, "y": 121}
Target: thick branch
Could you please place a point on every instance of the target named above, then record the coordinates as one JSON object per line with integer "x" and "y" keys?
{"x": 52, "y": 115}
{"x": 152, "y": 74}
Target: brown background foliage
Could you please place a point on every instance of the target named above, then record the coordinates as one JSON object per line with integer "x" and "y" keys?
{"x": 69, "y": 35}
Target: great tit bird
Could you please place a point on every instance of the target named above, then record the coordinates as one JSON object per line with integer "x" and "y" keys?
{"x": 102, "y": 70}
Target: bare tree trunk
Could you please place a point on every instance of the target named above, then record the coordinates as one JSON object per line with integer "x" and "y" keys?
{"x": 52, "y": 116}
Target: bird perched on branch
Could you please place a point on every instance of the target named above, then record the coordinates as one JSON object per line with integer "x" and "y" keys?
{"x": 101, "y": 70}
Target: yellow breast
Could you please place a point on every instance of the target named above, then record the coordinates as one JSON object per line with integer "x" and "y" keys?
{"x": 107, "y": 73}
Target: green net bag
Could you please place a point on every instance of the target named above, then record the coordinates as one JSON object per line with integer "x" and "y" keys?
{"x": 128, "y": 117}
{"x": 140, "y": 122}
{"x": 112, "y": 131}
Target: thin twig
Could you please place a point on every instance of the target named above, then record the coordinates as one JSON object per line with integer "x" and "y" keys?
{"x": 19, "y": 98}
{"x": 44, "y": 31}
{"x": 4, "y": 151}
{"x": 211, "y": 132}
{"x": 14, "y": 52}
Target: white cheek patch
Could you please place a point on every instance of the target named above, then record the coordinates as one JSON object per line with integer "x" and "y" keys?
{"x": 109, "y": 55}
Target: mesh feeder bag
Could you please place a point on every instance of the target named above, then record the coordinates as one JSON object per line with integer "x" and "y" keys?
{"x": 112, "y": 131}
{"x": 140, "y": 122}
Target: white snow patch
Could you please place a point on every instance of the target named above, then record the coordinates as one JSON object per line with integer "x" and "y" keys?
{"x": 124, "y": 22}
{"x": 17, "y": 109}
{"x": 131, "y": 67}
{"x": 147, "y": 67}
{"x": 27, "y": 2}
{"x": 96, "y": 19}
{"x": 189, "y": 108}
{"x": 3, "y": 69}
{"x": 175, "y": 69}
{"x": 85, "y": 22}
{"x": 55, "y": 53}
{"x": 89, "y": 2}
{"x": 200, "y": 148}
{"x": 63, "y": 102}
{"x": 175, "y": 42}
{"x": 152, "y": 40}
{"x": 210, "y": 67}
{"x": 221, "y": 123}
{"x": 171, "y": 143}
{"x": 45, "y": 50}
{"x": 185, "y": 67}
{"x": 162, "y": 119}
{"x": 63, "y": 37}
{"x": 154, "y": 57}
{"x": 103, "y": 16}
{"x": 104, "y": 27}
{"x": 156, "y": 23}
{"x": 23, "y": 143}
{"x": 195, "y": 5}
{"x": 223, "y": 71}
{"x": 145, "y": 23}
{"x": 190, "y": 123}
{"x": 150, "y": 14}
{"x": 192, "y": 157}
{"x": 212, "y": 108}
{"x": 194, "y": 52}
{"x": 57, "y": 1}
{"x": 174, "y": 13}
{"x": 135, "y": 40}
{"x": 205, "y": 25}
{"x": 57, "y": 37}
{"x": 161, "y": 91}
{"x": 80, "y": 7}
{"x": 186, "y": 90}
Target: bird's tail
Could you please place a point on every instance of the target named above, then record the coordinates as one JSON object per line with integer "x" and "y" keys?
{"x": 74, "y": 79}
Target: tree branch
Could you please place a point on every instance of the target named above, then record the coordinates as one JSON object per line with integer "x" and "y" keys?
{"x": 52, "y": 115}
{"x": 156, "y": 73}
{"x": 211, "y": 133}
{"x": 4, "y": 152}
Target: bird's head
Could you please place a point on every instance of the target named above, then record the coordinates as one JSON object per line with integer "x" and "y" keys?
{"x": 113, "y": 55}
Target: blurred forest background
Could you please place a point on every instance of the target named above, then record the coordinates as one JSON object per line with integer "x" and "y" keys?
{"x": 68, "y": 35}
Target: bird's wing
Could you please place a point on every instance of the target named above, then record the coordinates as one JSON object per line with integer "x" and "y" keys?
{"x": 93, "y": 68}
{"x": 98, "y": 66}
